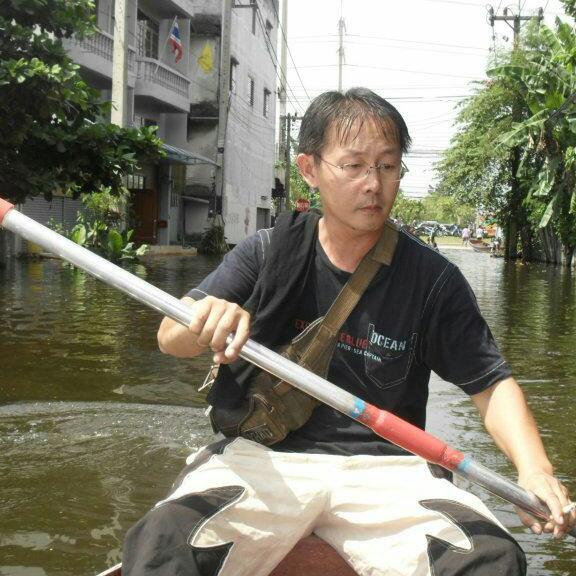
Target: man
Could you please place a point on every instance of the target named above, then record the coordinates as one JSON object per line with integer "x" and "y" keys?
{"x": 239, "y": 507}
{"x": 465, "y": 235}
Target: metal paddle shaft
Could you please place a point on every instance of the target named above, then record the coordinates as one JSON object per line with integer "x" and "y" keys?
{"x": 383, "y": 423}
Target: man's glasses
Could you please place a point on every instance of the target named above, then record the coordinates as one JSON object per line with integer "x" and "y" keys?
{"x": 360, "y": 170}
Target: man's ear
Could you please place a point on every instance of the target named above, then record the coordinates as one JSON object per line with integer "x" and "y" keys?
{"x": 307, "y": 167}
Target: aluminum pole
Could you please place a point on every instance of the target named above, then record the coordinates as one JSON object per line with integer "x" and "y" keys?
{"x": 383, "y": 423}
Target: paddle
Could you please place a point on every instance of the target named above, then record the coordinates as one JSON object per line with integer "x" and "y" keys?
{"x": 383, "y": 423}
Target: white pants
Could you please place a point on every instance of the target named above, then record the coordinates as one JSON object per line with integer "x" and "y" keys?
{"x": 383, "y": 514}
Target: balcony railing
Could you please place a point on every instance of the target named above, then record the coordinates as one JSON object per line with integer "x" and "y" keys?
{"x": 102, "y": 44}
{"x": 155, "y": 72}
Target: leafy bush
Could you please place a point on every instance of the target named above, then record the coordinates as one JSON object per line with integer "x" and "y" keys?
{"x": 213, "y": 241}
{"x": 97, "y": 227}
{"x": 106, "y": 241}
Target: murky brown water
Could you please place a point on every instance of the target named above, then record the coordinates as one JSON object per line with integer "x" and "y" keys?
{"x": 95, "y": 423}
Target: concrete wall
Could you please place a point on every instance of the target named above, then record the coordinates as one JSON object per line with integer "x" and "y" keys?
{"x": 204, "y": 71}
{"x": 196, "y": 215}
{"x": 250, "y": 153}
{"x": 202, "y": 140}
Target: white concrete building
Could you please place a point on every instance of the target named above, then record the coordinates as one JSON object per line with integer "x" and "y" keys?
{"x": 172, "y": 200}
{"x": 248, "y": 167}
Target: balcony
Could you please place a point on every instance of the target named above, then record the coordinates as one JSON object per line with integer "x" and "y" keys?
{"x": 168, "y": 90}
{"x": 94, "y": 54}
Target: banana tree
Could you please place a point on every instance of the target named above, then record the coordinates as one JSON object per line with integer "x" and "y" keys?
{"x": 544, "y": 79}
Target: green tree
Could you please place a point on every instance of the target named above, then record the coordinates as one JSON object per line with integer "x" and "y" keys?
{"x": 544, "y": 80}
{"x": 447, "y": 209}
{"x": 514, "y": 154}
{"x": 474, "y": 172}
{"x": 408, "y": 210}
{"x": 51, "y": 133}
{"x": 299, "y": 188}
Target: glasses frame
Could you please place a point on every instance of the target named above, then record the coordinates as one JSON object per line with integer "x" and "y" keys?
{"x": 403, "y": 170}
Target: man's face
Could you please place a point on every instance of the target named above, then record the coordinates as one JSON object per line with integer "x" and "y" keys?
{"x": 362, "y": 205}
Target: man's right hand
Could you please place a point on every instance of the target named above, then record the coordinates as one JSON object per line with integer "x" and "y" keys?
{"x": 213, "y": 321}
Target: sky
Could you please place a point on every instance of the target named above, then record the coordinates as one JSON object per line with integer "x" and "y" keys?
{"x": 421, "y": 55}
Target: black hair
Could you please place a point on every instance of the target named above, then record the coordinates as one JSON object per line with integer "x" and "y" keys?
{"x": 347, "y": 111}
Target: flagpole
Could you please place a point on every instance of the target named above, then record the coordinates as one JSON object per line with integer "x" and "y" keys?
{"x": 165, "y": 44}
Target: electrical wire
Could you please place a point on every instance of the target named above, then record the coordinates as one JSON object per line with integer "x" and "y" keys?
{"x": 393, "y": 70}
{"x": 288, "y": 47}
{"x": 274, "y": 58}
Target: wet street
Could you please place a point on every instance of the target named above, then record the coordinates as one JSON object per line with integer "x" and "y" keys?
{"x": 95, "y": 423}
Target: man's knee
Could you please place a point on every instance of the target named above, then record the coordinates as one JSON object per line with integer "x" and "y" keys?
{"x": 491, "y": 550}
{"x": 513, "y": 559}
{"x": 161, "y": 543}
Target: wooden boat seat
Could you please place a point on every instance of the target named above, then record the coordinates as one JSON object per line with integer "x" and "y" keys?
{"x": 310, "y": 557}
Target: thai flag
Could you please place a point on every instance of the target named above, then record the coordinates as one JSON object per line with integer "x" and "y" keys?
{"x": 176, "y": 42}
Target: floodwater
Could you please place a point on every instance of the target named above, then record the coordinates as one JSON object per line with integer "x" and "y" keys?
{"x": 95, "y": 423}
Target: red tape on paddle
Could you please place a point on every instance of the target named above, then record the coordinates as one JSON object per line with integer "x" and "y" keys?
{"x": 411, "y": 438}
{"x": 5, "y": 207}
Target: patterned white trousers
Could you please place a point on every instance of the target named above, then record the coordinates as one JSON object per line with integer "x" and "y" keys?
{"x": 383, "y": 514}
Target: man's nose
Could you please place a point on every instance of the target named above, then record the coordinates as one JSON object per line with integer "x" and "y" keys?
{"x": 373, "y": 177}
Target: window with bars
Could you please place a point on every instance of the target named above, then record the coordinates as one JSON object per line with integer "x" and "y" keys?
{"x": 141, "y": 121}
{"x": 147, "y": 36}
{"x": 251, "y": 91}
{"x": 233, "y": 74}
{"x": 135, "y": 181}
{"x": 266, "y": 105}
{"x": 254, "y": 15}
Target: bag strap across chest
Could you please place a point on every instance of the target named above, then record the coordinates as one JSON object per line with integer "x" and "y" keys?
{"x": 314, "y": 345}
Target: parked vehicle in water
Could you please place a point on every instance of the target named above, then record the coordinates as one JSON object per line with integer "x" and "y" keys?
{"x": 452, "y": 229}
{"x": 427, "y": 227}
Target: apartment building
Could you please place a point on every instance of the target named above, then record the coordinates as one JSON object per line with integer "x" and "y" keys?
{"x": 178, "y": 91}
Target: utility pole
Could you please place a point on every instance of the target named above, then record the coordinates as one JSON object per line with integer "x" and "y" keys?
{"x": 288, "y": 158}
{"x": 341, "y": 29}
{"x": 512, "y": 228}
{"x": 516, "y": 19}
{"x": 286, "y": 122}
{"x": 120, "y": 65}
{"x": 223, "y": 95}
{"x": 283, "y": 80}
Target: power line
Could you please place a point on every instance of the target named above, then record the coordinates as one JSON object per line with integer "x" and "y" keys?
{"x": 442, "y": 44}
{"x": 392, "y": 70}
{"x": 274, "y": 58}
{"x": 455, "y": 52}
{"x": 288, "y": 47}
{"x": 320, "y": 38}
{"x": 457, "y": 2}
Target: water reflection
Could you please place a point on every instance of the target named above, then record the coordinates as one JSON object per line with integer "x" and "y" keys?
{"x": 81, "y": 474}
{"x": 95, "y": 422}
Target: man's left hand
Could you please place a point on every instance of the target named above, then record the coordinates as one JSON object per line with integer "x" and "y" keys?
{"x": 555, "y": 495}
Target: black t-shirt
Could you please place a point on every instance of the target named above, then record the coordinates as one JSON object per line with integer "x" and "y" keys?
{"x": 418, "y": 314}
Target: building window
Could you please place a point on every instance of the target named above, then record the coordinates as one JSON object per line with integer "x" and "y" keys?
{"x": 251, "y": 89}
{"x": 141, "y": 121}
{"x": 266, "y": 107}
{"x": 135, "y": 181}
{"x": 233, "y": 74}
{"x": 254, "y": 15}
{"x": 148, "y": 32}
